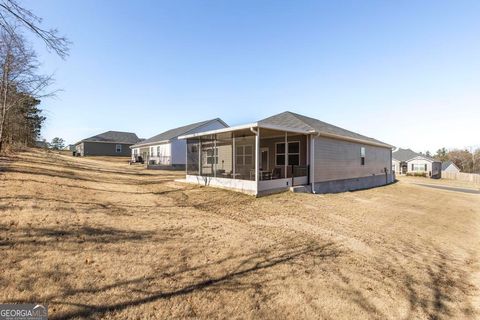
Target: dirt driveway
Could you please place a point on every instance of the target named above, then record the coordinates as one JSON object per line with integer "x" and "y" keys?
{"x": 94, "y": 238}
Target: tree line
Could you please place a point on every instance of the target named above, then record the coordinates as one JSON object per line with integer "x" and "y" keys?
{"x": 467, "y": 160}
{"x": 22, "y": 86}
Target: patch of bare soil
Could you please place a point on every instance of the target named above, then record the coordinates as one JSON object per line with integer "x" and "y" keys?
{"x": 96, "y": 238}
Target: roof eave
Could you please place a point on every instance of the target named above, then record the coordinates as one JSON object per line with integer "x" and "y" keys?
{"x": 340, "y": 137}
{"x": 138, "y": 145}
{"x": 243, "y": 127}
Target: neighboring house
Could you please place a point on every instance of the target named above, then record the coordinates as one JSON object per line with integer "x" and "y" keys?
{"x": 70, "y": 147}
{"x": 406, "y": 161}
{"x": 110, "y": 143}
{"x": 449, "y": 166}
{"x": 165, "y": 149}
{"x": 425, "y": 165}
{"x": 287, "y": 150}
{"x": 399, "y": 160}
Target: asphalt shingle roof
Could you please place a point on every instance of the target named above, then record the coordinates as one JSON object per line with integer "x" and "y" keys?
{"x": 404, "y": 154}
{"x": 114, "y": 137}
{"x": 446, "y": 164}
{"x": 300, "y": 122}
{"x": 173, "y": 133}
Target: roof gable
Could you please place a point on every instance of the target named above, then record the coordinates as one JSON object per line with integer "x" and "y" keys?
{"x": 298, "y": 121}
{"x": 404, "y": 154}
{"x": 447, "y": 164}
{"x": 176, "y": 132}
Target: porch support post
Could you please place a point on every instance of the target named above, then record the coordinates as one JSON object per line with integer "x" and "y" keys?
{"x": 286, "y": 154}
{"x": 234, "y": 156}
{"x": 257, "y": 155}
{"x": 307, "y": 156}
{"x": 214, "y": 162}
{"x": 200, "y": 156}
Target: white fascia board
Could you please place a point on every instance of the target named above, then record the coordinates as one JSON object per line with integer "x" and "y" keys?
{"x": 243, "y": 127}
{"x": 149, "y": 144}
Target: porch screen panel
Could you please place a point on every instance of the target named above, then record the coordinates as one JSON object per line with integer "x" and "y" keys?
{"x": 193, "y": 164}
{"x": 245, "y": 157}
{"x": 209, "y": 156}
{"x": 224, "y": 149}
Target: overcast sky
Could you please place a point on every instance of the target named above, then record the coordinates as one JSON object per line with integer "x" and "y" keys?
{"x": 404, "y": 72}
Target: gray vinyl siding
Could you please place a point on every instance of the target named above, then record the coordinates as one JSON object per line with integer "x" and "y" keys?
{"x": 104, "y": 149}
{"x": 339, "y": 160}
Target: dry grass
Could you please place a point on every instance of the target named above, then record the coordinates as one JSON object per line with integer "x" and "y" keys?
{"x": 94, "y": 238}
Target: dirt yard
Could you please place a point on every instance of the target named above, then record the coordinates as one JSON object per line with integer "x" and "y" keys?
{"x": 100, "y": 239}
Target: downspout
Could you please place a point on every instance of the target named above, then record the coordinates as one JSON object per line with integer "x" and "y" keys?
{"x": 312, "y": 161}
{"x": 257, "y": 147}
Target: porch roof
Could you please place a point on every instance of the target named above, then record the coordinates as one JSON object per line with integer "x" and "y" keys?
{"x": 246, "y": 126}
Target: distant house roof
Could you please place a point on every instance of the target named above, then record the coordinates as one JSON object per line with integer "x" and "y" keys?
{"x": 446, "y": 164}
{"x": 114, "y": 137}
{"x": 174, "y": 133}
{"x": 300, "y": 122}
{"x": 404, "y": 154}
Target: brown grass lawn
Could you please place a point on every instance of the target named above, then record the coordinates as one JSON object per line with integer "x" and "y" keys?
{"x": 95, "y": 238}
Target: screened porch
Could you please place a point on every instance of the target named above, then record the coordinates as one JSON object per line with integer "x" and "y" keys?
{"x": 273, "y": 158}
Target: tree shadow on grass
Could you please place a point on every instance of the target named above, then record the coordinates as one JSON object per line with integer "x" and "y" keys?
{"x": 47, "y": 236}
{"x": 235, "y": 278}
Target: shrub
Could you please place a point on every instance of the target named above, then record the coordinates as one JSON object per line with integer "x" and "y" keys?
{"x": 417, "y": 174}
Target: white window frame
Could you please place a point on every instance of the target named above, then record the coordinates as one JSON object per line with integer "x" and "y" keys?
{"x": 158, "y": 151}
{"x": 420, "y": 167}
{"x": 362, "y": 156}
{"x": 117, "y": 149}
{"x": 286, "y": 152}
{"x": 213, "y": 156}
{"x": 244, "y": 155}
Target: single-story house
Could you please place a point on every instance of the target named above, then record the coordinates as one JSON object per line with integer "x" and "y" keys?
{"x": 165, "y": 149}
{"x": 399, "y": 159}
{"x": 110, "y": 143}
{"x": 287, "y": 150}
{"x": 425, "y": 165}
{"x": 407, "y": 161}
{"x": 449, "y": 166}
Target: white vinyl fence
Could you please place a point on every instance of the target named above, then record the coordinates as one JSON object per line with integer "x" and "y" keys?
{"x": 472, "y": 177}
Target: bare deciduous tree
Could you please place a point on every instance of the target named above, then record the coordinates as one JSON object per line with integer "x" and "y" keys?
{"x": 19, "y": 78}
{"x": 12, "y": 15}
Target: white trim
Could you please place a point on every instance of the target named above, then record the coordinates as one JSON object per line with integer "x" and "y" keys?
{"x": 286, "y": 129}
{"x": 243, "y": 153}
{"x": 246, "y": 186}
{"x": 421, "y": 158}
{"x": 262, "y": 149}
{"x": 243, "y": 127}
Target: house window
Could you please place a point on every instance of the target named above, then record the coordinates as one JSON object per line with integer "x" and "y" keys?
{"x": 293, "y": 153}
{"x": 212, "y": 156}
{"x": 151, "y": 151}
{"x": 118, "y": 148}
{"x": 244, "y": 155}
{"x": 362, "y": 156}
{"x": 419, "y": 167}
{"x": 158, "y": 151}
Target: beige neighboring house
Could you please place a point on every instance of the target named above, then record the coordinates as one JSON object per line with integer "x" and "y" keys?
{"x": 287, "y": 150}
{"x": 165, "y": 149}
{"x": 110, "y": 143}
{"x": 449, "y": 166}
{"x": 407, "y": 161}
